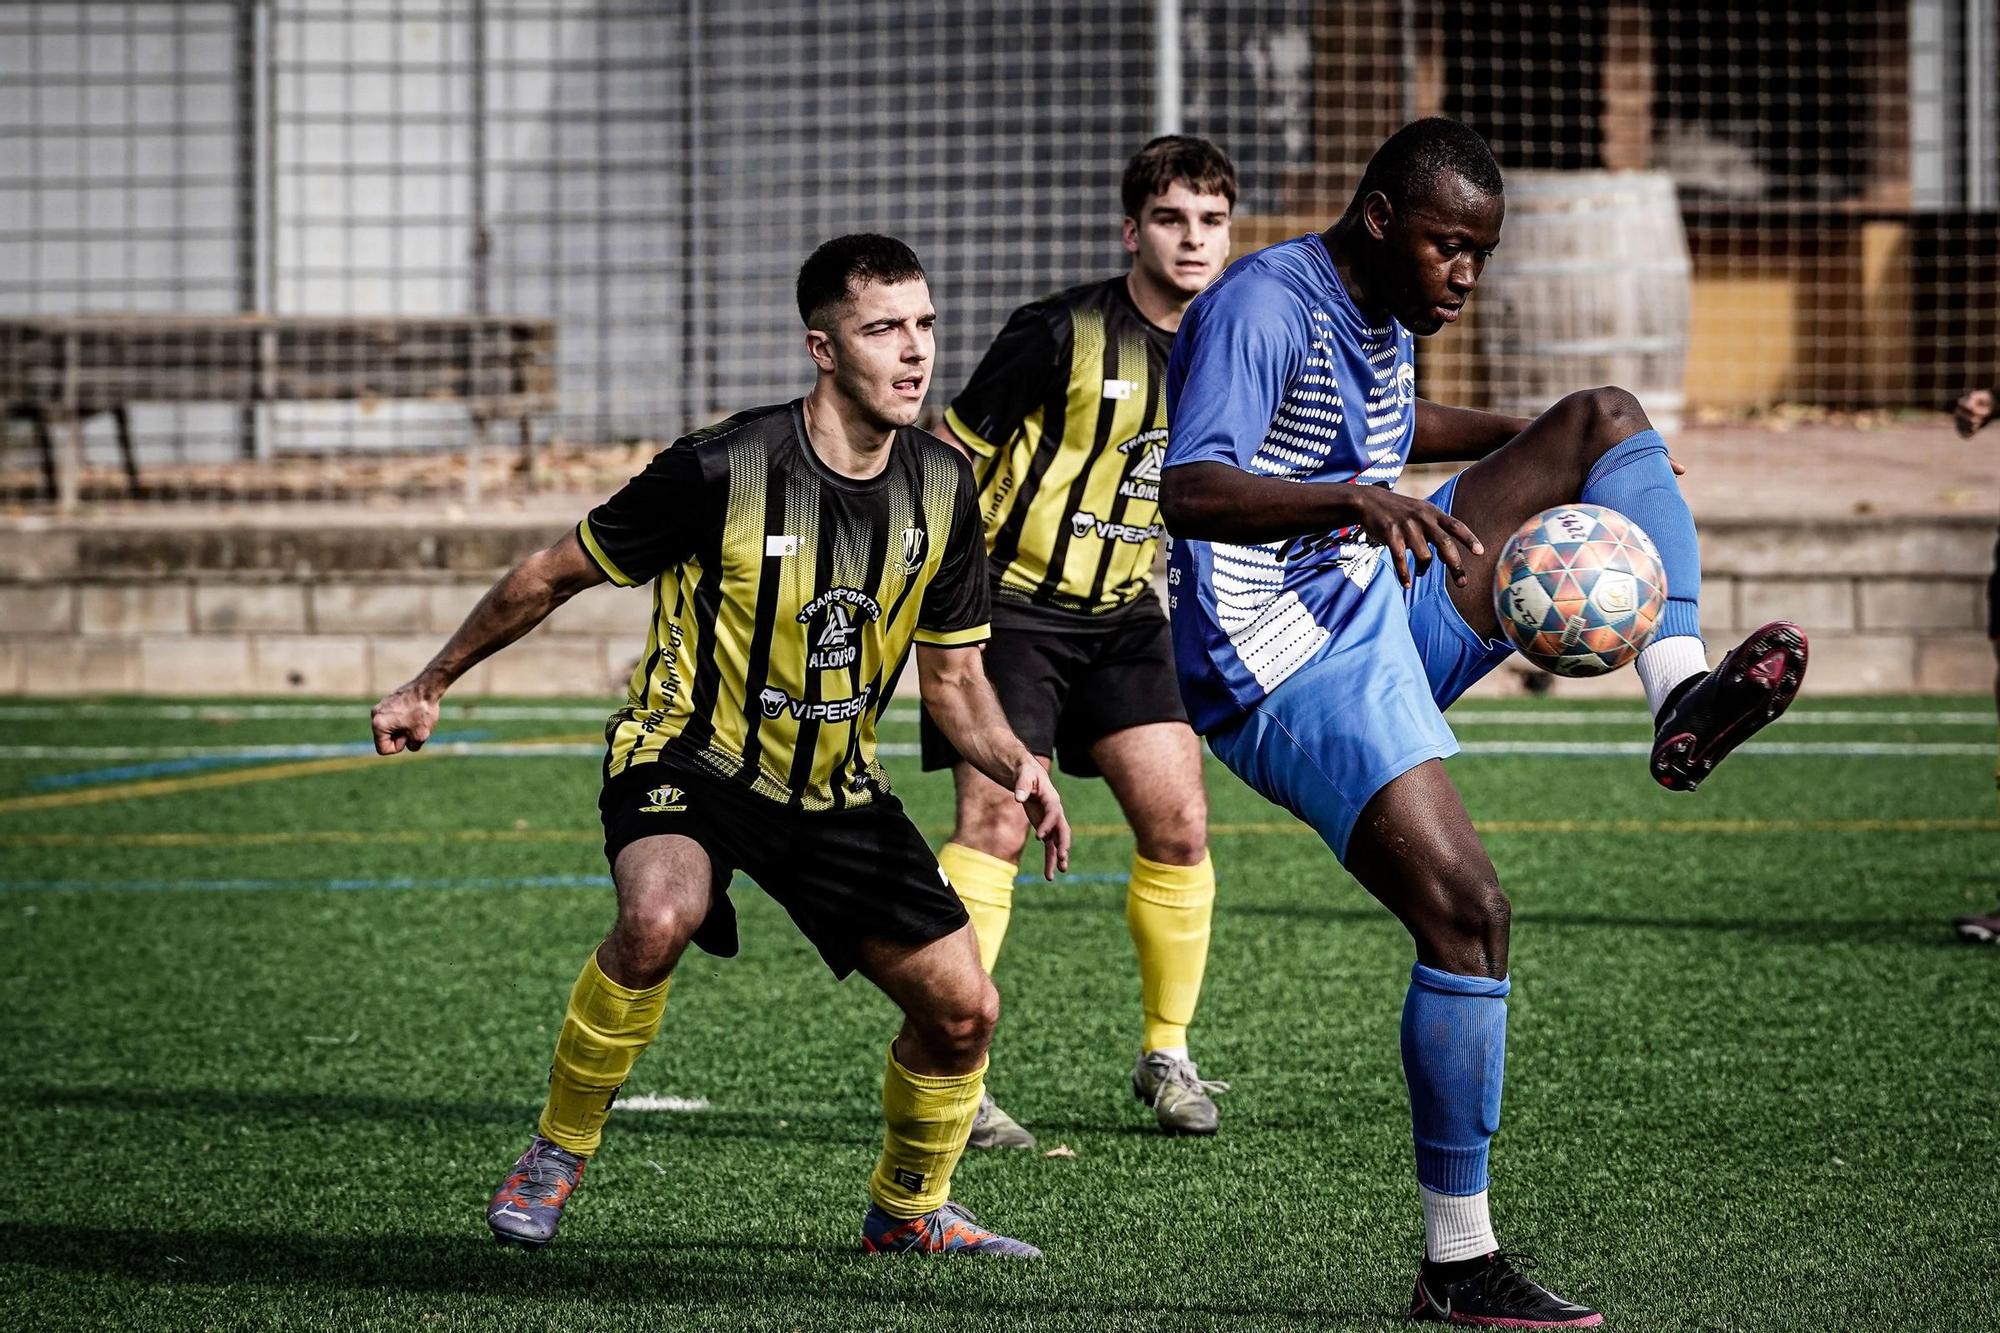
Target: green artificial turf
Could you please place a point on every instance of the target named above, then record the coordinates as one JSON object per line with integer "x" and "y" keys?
{"x": 268, "y": 1046}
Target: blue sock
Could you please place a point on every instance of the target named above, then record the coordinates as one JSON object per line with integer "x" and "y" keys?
{"x": 1454, "y": 1056}
{"x": 1636, "y": 479}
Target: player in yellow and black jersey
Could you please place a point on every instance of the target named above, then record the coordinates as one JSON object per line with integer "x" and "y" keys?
{"x": 1065, "y": 421}
{"x": 795, "y": 553}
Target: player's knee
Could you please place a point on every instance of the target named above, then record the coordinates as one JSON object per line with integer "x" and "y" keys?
{"x": 654, "y": 925}
{"x": 960, "y": 1030}
{"x": 1178, "y": 839}
{"x": 1600, "y": 418}
{"x": 1466, "y": 923}
{"x": 995, "y": 829}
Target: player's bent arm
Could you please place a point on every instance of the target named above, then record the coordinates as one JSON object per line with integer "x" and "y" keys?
{"x": 961, "y": 701}
{"x": 521, "y": 600}
{"x": 1460, "y": 434}
{"x": 1209, "y": 501}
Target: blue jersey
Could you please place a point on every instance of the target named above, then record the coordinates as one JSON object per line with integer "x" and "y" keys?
{"x": 1276, "y": 371}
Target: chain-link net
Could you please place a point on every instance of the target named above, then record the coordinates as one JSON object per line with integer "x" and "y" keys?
{"x": 578, "y": 223}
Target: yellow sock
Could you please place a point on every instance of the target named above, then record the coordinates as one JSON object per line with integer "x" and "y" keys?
{"x": 1167, "y": 909}
{"x": 603, "y": 1031}
{"x": 985, "y": 884}
{"x": 929, "y": 1118}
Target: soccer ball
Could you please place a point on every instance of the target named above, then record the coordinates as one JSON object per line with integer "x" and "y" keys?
{"x": 1579, "y": 589}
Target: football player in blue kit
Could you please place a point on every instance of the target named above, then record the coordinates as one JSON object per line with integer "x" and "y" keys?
{"x": 1322, "y": 621}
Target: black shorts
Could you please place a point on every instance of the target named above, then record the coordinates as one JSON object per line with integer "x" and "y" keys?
{"x": 1063, "y": 690}
{"x": 1993, "y": 596}
{"x": 844, "y": 875}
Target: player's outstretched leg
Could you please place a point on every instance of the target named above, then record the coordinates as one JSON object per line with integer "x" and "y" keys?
{"x": 1597, "y": 446}
{"x": 930, "y": 1092}
{"x": 1155, "y": 772}
{"x": 980, "y": 861}
{"x": 1414, "y": 848}
{"x": 614, "y": 1009}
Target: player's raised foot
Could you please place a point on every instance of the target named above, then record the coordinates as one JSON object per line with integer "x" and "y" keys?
{"x": 530, "y": 1201}
{"x": 1981, "y": 929}
{"x": 994, "y": 1128}
{"x": 1182, "y": 1100}
{"x": 1493, "y": 1293}
{"x": 951, "y": 1229}
{"x": 1708, "y": 716}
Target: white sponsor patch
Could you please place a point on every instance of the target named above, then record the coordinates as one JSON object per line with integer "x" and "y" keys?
{"x": 774, "y": 546}
{"x": 1120, "y": 390}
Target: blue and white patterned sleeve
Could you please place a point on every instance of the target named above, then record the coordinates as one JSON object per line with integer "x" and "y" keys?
{"x": 1237, "y": 350}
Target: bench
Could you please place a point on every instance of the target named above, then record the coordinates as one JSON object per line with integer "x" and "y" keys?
{"x": 59, "y": 370}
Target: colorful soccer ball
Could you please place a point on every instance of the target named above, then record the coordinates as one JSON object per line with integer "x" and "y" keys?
{"x": 1579, "y": 589}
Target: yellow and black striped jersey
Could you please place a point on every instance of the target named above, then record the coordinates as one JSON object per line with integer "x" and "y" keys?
{"x": 1066, "y": 417}
{"x": 785, "y": 599}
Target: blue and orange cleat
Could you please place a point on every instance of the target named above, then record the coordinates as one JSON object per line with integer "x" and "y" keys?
{"x": 530, "y": 1201}
{"x": 1708, "y": 716}
{"x": 1493, "y": 1293}
{"x": 947, "y": 1230}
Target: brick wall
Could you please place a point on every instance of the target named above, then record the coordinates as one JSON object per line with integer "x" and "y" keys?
{"x": 1891, "y": 605}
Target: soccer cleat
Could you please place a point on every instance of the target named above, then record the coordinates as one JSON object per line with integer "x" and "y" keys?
{"x": 1182, "y": 1100}
{"x": 1708, "y": 716}
{"x": 530, "y": 1201}
{"x": 1979, "y": 929}
{"x": 994, "y": 1128}
{"x": 1495, "y": 1295}
{"x": 951, "y": 1229}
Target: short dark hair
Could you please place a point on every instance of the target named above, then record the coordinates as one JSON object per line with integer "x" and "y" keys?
{"x": 829, "y": 276}
{"x": 1195, "y": 163}
{"x": 1411, "y": 162}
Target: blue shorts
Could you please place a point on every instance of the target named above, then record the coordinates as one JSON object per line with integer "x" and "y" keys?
{"x": 1368, "y": 709}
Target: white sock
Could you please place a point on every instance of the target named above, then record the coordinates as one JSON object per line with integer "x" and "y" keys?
{"x": 1665, "y": 663}
{"x": 1456, "y": 1226}
{"x": 1177, "y": 1052}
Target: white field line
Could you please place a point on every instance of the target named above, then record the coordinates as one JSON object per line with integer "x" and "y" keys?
{"x": 475, "y": 712}
{"x": 1819, "y": 717}
{"x": 1766, "y": 748}
{"x": 903, "y": 749}
{"x": 461, "y": 749}
{"x": 652, "y": 1102}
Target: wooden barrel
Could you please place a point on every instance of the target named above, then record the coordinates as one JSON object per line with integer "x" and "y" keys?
{"x": 1589, "y": 287}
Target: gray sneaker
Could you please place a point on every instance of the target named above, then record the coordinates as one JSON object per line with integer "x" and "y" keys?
{"x": 994, "y": 1128}
{"x": 1181, "y": 1098}
{"x": 530, "y": 1201}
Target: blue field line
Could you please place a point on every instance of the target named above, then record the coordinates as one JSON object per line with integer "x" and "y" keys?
{"x": 158, "y": 768}
{"x": 396, "y": 884}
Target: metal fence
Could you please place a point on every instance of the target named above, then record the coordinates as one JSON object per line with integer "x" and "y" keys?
{"x": 646, "y": 177}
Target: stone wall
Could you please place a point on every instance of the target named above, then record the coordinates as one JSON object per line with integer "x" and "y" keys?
{"x": 175, "y": 607}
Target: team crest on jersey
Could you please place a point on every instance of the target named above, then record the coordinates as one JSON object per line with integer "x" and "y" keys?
{"x": 1406, "y": 384}
{"x": 833, "y": 622}
{"x": 912, "y": 547}
{"x": 1149, "y": 452}
{"x": 665, "y": 801}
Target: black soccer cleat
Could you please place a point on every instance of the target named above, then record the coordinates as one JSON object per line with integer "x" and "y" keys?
{"x": 1708, "y": 716}
{"x": 1496, "y": 1294}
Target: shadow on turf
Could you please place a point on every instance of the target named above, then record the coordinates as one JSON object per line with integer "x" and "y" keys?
{"x": 704, "y": 1270}
{"x": 277, "y": 1108}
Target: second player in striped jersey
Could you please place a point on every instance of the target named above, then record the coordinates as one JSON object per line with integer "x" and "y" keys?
{"x": 1065, "y": 421}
